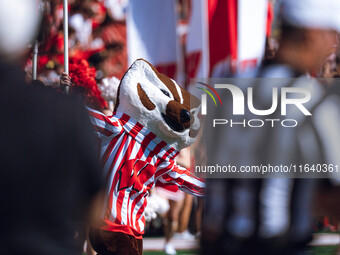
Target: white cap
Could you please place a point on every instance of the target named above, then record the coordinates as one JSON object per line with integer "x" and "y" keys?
{"x": 323, "y": 14}
{"x": 19, "y": 21}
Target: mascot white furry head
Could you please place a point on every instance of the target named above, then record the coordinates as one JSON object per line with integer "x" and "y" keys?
{"x": 159, "y": 104}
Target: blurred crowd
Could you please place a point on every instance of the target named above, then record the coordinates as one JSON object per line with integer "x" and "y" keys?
{"x": 96, "y": 33}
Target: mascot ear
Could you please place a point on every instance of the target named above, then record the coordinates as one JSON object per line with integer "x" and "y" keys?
{"x": 143, "y": 97}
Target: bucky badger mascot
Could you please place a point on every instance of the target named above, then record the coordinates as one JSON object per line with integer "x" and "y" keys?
{"x": 152, "y": 121}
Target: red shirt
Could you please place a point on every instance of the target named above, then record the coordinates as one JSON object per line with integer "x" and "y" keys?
{"x": 133, "y": 159}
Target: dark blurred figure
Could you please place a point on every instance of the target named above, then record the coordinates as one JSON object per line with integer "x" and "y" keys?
{"x": 337, "y": 71}
{"x": 273, "y": 216}
{"x": 49, "y": 176}
{"x": 270, "y": 51}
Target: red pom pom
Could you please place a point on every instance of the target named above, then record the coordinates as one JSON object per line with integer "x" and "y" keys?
{"x": 83, "y": 78}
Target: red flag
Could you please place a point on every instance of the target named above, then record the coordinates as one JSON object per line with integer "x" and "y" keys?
{"x": 225, "y": 36}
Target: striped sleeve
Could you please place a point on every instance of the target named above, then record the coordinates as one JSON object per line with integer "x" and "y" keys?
{"x": 103, "y": 125}
{"x": 170, "y": 173}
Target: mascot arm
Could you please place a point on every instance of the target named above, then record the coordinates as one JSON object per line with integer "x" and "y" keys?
{"x": 104, "y": 126}
{"x": 175, "y": 174}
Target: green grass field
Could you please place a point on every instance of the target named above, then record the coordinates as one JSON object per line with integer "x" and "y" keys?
{"x": 318, "y": 250}
{"x": 324, "y": 250}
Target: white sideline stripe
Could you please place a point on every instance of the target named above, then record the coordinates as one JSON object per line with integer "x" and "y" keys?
{"x": 157, "y": 244}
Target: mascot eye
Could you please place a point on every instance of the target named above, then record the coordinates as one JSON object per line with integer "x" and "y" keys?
{"x": 165, "y": 92}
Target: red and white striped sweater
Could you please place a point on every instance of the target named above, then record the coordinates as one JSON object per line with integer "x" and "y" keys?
{"x": 133, "y": 159}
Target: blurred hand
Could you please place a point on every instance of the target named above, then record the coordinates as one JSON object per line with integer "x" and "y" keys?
{"x": 28, "y": 74}
{"x": 65, "y": 79}
{"x": 107, "y": 112}
{"x": 150, "y": 214}
{"x": 183, "y": 159}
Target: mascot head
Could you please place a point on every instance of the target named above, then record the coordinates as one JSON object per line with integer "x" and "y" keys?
{"x": 159, "y": 104}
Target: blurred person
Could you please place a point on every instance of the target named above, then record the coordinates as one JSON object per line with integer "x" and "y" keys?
{"x": 99, "y": 13}
{"x": 114, "y": 62}
{"x": 117, "y": 9}
{"x": 82, "y": 82}
{"x": 101, "y": 96}
{"x": 183, "y": 232}
{"x": 50, "y": 74}
{"x": 184, "y": 218}
{"x": 81, "y": 21}
{"x": 97, "y": 42}
{"x": 328, "y": 70}
{"x": 84, "y": 85}
{"x": 337, "y": 73}
{"x": 108, "y": 61}
{"x": 175, "y": 198}
{"x": 49, "y": 176}
{"x": 273, "y": 216}
{"x": 109, "y": 88}
{"x": 270, "y": 50}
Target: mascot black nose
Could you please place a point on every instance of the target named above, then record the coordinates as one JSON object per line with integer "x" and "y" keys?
{"x": 185, "y": 116}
